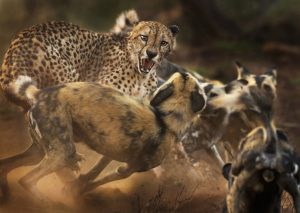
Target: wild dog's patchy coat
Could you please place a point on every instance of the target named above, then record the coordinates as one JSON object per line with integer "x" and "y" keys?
{"x": 111, "y": 123}
{"x": 235, "y": 109}
{"x": 262, "y": 169}
{"x": 58, "y": 52}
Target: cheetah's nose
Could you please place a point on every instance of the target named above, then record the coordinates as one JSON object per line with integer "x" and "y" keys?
{"x": 151, "y": 54}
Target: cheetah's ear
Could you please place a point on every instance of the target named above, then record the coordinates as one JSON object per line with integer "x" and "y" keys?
{"x": 163, "y": 93}
{"x": 174, "y": 29}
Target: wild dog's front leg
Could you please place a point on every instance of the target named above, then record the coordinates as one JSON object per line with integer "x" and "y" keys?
{"x": 29, "y": 181}
{"x": 76, "y": 186}
{"x": 216, "y": 152}
{"x": 121, "y": 173}
{"x": 61, "y": 154}
{"x": 96, "y": 170}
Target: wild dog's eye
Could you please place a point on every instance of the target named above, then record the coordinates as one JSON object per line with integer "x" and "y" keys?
{"x": 243, "y": 81}
{"x": 163, "y": 43}
{"x": 144, "y": 38}
{"x": 211, "y": 95}
{"x": 267, "y": 88}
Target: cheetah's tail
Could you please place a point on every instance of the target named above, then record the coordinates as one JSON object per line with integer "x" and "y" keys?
{"x": 25, "y": 87}
{"x": 125, "y": 21}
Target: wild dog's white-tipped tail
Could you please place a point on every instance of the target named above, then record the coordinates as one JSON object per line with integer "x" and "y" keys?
{"x": 25, "y": 87}
{"x": 125, "y": 21}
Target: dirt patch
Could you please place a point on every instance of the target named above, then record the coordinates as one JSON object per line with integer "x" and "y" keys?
{"x": 180, "y": 187}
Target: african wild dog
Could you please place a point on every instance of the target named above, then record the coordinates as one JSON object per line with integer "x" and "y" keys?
{"x": 111, "y": 123}
{"x": 233, "y": 113}
{"x": 59, "y": 52}
{"x": 264, "y": 167}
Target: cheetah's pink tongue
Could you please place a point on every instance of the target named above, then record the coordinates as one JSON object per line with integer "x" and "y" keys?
{"x": 147, "y": 64}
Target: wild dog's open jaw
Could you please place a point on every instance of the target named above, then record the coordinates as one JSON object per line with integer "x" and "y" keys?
{"x": 146, "y": 65}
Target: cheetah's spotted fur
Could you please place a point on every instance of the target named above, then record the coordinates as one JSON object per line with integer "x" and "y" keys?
{"x": 59, "y": 52}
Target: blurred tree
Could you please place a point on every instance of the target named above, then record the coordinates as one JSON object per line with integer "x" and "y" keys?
{"x": 257, "y": 20}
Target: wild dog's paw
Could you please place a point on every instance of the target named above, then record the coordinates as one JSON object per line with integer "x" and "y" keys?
{"x": 74, "y": 162}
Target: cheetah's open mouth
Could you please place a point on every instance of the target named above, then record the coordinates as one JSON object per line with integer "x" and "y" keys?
{"x": 146, "y": 65}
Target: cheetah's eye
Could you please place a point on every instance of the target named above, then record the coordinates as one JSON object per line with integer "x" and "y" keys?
{"x": 163, "y": 43}
{"x": 144, "y": 38}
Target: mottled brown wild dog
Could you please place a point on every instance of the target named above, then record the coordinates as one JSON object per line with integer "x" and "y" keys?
{"x": 57, "y": 52}
{"x": 263, "y": 168}
{"x": 233, "y": 110}
{"x": 113, "y": 124}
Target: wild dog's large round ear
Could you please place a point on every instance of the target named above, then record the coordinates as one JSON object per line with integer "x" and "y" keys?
{"x": 174, "y": 29}
{"x": 198, "y": 101}
{"x": 273, "y": 73}
{"x": 162, "y": 94}
{"x": 228, "y": 88}
{"x": 226, "y": 170}
{"x": 242, "y": 71}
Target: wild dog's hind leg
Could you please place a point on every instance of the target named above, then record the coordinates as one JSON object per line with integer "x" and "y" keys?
{"x": 96, "y": 170}
{"x": 29, "y": 181}
{"x": 55, "y": 161}
{"x": 32, "y": 156}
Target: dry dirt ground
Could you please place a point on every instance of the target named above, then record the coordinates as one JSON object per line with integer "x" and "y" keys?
{"x": 181, "y": 188}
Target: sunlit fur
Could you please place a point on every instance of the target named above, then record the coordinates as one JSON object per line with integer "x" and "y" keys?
{"x": 156, "y": 33}
{"x": 61, "y": 52}
{"x": 113, "y": 124}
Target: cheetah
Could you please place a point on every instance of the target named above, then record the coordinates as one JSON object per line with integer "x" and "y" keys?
{"x": 58, "y": 52}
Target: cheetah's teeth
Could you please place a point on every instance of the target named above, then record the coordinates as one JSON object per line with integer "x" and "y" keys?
{"x": 146, "y": 65}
